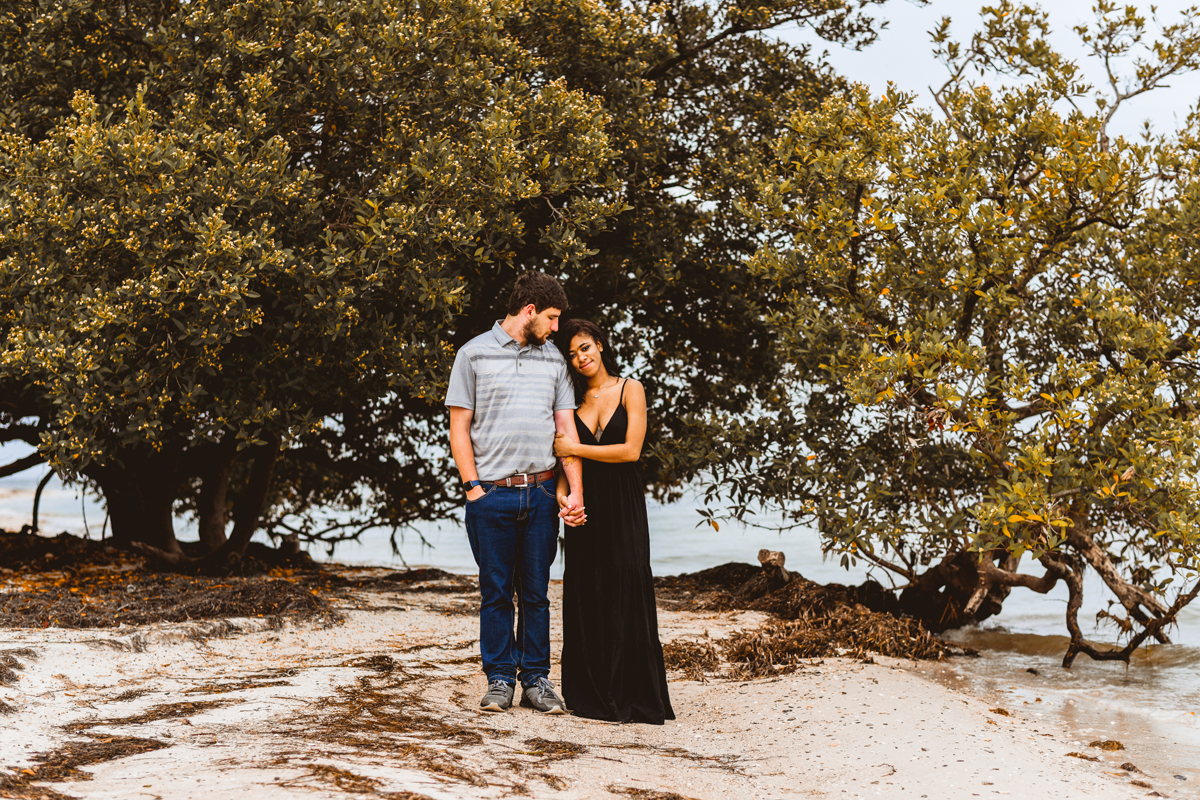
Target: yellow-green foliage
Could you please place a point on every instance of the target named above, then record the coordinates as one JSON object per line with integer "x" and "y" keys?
{"x": 989, "y": 317}
{"x": 286, "y": 209}
{"x": 329, "y": 197}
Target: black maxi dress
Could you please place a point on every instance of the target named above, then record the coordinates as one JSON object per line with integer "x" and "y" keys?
{"x": 612, "y": 660}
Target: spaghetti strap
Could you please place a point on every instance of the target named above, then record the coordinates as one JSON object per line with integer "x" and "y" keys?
{"x": 622, "y": 397}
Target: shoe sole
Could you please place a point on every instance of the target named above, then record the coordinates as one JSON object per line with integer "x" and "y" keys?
{"x": 552, "y": 711}
{"x": 495, "y": 707}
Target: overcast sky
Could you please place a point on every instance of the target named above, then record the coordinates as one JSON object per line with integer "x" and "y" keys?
{"x": 903, "y": 55}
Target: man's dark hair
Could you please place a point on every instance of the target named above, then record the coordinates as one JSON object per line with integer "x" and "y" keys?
{"x": 539, "y": 289}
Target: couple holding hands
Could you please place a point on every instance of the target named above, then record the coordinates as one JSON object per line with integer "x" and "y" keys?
{"x": 515, "y": 403}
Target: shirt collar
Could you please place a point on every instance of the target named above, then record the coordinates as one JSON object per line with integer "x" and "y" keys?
{"x": 502, "y": 335}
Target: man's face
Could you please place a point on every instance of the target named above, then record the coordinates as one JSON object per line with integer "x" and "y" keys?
{"x": 539, "y": 326}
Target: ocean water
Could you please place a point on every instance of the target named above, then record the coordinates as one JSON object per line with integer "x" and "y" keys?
{"x": 1153, "y": 705}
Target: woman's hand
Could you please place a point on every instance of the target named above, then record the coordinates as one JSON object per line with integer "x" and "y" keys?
{"x": 572, "y": 515}
{"x": 563, "y": 447}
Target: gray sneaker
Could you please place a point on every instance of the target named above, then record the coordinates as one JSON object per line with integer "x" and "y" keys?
{"x": 499, "y": 696}
{"x": 541, "y": 697}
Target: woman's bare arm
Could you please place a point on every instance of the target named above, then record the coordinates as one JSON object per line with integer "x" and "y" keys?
{"x": 635, "y": 435}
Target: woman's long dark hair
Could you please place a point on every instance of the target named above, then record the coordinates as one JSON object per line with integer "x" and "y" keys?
{"x": 568, "y": 331}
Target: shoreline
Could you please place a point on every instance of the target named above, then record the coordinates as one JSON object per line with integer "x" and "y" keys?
{"x": 384, "y": 704}
{"x": 1166, "y": 750}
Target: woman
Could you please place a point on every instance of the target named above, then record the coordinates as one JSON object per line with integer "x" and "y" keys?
{"x": 612, "y": 662}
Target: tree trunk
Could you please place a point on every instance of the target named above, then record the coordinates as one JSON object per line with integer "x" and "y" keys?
{"x": 213, "y": 500}
{"x": 248, "y": 508}
{"x": 140, "y": 495}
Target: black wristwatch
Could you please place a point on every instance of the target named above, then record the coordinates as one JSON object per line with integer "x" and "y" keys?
{"x": 469, "y": 485}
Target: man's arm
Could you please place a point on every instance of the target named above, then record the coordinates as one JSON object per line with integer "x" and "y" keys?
{"x": 461, "y": 450}
{"x": 564, "y": 422}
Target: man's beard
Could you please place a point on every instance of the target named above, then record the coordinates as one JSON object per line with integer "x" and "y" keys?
{"x": 531, "y": 337}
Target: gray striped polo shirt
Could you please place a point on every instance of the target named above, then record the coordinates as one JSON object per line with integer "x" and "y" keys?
{"x": 514, "y": 392}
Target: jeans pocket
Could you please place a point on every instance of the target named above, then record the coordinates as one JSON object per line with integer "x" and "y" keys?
{"x": 487, "y": 490}
{"x": 551, "y": 493}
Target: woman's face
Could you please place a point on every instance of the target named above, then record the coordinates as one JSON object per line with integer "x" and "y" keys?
{"x": 585, "y": 355}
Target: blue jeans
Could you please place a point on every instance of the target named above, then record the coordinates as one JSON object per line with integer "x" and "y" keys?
{"x": 514, "y": 538}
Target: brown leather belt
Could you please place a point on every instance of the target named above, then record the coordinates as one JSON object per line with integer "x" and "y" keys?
{"x": 524, "y": 479}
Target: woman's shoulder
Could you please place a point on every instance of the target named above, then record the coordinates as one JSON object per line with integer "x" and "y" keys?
{"x": 632, "y": 385}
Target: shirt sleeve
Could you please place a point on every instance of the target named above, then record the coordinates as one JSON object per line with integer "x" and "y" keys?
{"x": 461, "y": 392}
{"x": 564, "y": 392}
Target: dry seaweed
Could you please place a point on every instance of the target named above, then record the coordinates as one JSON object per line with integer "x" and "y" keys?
{"x": 693, "y": 659}
{"x": 812, "y": 620}
{"x": 15, "y": 788}
{"x": 344, "y": 779}
{"x": 347, "y": 781}
{"x": 1109, "y": 744}
{"x": 646, "y": 794}
{"x": 724, "y": 763}
{"x": 426, "y": 581}
{"x": 104, "y": 599}
{"x": 386, "y": 712}
{"x": 24, "y": 552}
{"x": 69, "y": 582}
{"x": 708, "y": 590}
{"x": 233, "y": 686}
{"x": 10, "y": 663}
{"x": 553, "y": 781}
{"x": 156, "y": 714}
{"x": 64, "y": 764}
{"x": 778, "y": 646}
{"x": 462, "y": 607}
{"x": 1083, "y": 756}
{"x": 550, "y": 750}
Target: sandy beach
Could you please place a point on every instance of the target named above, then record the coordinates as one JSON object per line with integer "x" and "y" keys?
{"x": 384, "y": 705}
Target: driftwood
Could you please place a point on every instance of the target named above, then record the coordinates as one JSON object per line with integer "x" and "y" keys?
{"x": 772, "y": 564}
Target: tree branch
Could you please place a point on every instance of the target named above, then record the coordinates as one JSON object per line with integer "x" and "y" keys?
{"x": 21, "y": 464}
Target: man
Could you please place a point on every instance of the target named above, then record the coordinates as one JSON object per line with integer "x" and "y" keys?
{"x": 509, "y": 392}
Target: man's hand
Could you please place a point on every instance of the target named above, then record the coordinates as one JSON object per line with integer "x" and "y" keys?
{"x": 476, "y": 493}
{"x": 571, "y": 509}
